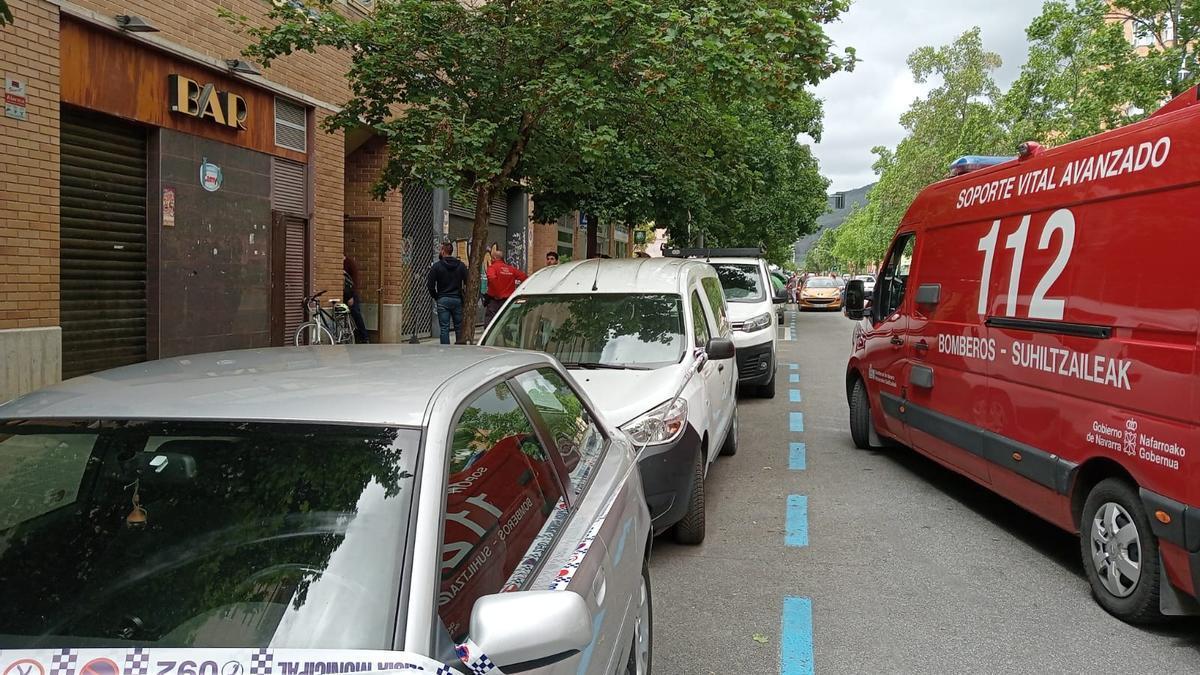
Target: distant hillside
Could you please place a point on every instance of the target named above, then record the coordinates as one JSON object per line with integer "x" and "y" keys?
{"x": 840, "y": 204}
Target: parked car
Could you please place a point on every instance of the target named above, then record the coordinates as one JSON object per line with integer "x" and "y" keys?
{"x": 779, "y": 281}
{"x": 390, "y": 498}
{"x": 868, "y": 283}
{"x": 1040, "y": 338}
{"x": 821, "y": 293}
{"x": 752, "y": 302}
{"x": 628, "y": 330}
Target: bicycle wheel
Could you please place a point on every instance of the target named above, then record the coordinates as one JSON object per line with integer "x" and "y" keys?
{"x": 313, "y": 333}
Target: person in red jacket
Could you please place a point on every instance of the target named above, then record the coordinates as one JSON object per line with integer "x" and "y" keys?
{"x": 502, "y": 281}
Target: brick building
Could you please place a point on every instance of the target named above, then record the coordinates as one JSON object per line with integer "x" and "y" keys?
{"x": 159, "y": 197}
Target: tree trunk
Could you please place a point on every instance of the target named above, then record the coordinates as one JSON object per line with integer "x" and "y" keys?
{"x": 591, "y": 238}
{"x": 479, "y": 244}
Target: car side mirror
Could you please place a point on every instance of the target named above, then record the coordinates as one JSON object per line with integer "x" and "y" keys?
{"x": 540, "y": 626}
{"x": 780, "y": 297}
{"x": 720, "y": 349}
{"x": 855, "y": 299}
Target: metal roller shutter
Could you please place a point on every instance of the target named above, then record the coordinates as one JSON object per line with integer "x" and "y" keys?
{"x": 295, "y": 285}
{"x": 102, "y": 243}
{"x": 463, "y": 204}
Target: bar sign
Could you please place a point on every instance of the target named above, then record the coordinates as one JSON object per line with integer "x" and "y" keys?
{"x": 15, "y": 101}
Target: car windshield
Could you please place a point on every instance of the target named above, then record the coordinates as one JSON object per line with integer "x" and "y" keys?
{"x": 617, "y": 330}
{"x": 823, "y": 282}
{"x": 177, "y": 534}
{"x": 742, "y": 283}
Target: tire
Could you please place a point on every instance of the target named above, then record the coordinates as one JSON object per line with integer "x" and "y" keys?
{"x": 1103, "y": 546}
{"x": 860, "y": 416}
{"x": 690, "y": 530}
{"x": 767, "y": 390}
{"x": 306, "y": 331}
{"x": 730, "y": 447}
{"x": 643, "y": 635}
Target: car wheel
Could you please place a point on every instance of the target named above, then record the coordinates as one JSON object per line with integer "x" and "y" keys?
{"x": 860, "y": 416}
{"x": 767, "y": 390}
{"x": 641, "y": 652}
{"x": 729, "y": 447}
{"x": 1120, "y": 552}
{"x": 690, "y": 530}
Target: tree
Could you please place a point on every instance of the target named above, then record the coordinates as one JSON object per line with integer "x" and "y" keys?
{"x": 1082, "y": 76}
{"x": 957, "y": 117}
{"x": 6, "y": 16}
{"x": 1172, "y": 29}
{"x": 820, "y": 257}
{"x": 480, "y": 96}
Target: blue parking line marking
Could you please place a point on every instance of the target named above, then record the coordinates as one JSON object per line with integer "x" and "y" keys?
{"x": 795, "y": 395}
{"x": 796, "y": 421}
{"x": 794, "y": 378}
{"x": 796, "y": 530}
{"x": 796, "y": 641}
{"x": 797, "y": 456}
{"x": 793, "y": 366}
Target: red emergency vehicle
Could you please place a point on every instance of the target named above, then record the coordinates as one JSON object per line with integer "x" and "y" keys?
{"x": 1035, "y": 328}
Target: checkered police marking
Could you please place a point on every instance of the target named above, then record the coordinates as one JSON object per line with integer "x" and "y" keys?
{"x": 151, "y": 661}
{"x": 137, "y": 662}
{"x": 64, "y": 662}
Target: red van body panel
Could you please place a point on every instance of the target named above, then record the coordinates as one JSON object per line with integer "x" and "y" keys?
{"x": 1059, "y": 332}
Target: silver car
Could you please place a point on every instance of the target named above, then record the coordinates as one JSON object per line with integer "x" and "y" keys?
{"x": 449, "y": 507}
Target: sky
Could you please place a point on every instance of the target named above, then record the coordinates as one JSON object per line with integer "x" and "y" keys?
{"x": 863, "y": 108}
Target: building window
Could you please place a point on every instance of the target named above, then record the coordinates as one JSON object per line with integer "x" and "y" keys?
{"x": 566, "y": 238}
{"x": 621, "y": 235}
{"x": 839, "y": 201}
{"x": 291, "y": 125}
{"x": 602, "y": 239}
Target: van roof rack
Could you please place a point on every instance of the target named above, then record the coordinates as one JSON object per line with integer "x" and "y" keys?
{"x": 757, "y": 252}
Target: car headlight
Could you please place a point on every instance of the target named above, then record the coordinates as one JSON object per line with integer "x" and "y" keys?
{"x": 661, "y": 425}
{"x": 757, "y": 323}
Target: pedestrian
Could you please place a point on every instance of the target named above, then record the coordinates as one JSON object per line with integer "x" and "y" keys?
{"x": 350, "y": 296}
{"x": 445, "y": 283}
{"x": 502, "y": 280}
{"x": 793, "y": 288}
{"x": 551, "y": 258}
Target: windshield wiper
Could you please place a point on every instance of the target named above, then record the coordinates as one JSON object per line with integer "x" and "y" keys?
{"x": 593, "y": 365}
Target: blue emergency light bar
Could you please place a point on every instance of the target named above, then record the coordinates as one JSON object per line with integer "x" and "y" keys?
{"x": 974, "y": 162}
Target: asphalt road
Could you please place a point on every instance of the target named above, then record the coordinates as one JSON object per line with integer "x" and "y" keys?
{"x": 907, "y": 567}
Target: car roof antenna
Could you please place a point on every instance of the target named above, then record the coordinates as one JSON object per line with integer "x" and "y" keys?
{"x": 596, "y": 279}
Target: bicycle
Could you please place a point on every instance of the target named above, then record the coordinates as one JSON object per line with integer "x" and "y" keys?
{"x": 325, "y": 327}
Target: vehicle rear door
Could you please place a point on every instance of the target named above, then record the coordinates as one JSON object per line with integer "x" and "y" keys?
{"x": 949, "y": 350}
{"x": 885, "y": 340}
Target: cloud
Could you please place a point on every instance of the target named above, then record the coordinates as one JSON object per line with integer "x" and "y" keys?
{"x": 863, "y": 108}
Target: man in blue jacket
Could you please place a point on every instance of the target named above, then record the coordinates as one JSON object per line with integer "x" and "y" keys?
{"x": 446, "y": 280}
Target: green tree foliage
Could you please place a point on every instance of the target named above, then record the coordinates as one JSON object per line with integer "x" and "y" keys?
{"x": 1172, "y": 27}
{"x": 6, "y": 16}
{"x": 731, "y": 170}
{"x": 957, "y": 117}
{"x": 821, "y": 258}
{"x": 1082, "y": 76}
{"x": 483, "y": 96}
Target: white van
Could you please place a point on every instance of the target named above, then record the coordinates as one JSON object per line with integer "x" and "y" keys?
{"x": 626, "y": 329}
{"x": 746, "y": 281}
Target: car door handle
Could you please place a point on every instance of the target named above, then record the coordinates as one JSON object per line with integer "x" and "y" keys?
{"x": 720, "y": 367}
{"x": 921, "y": 346}
{"x": 599, "y": 587}
{"x": 896, "y": 340}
